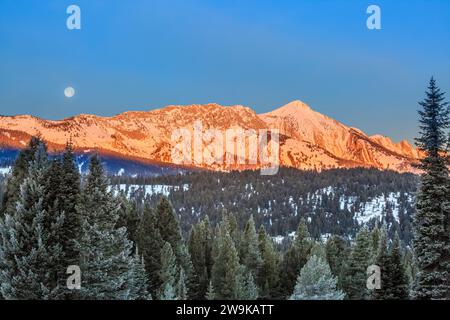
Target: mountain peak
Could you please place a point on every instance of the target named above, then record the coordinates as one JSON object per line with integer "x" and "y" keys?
{"x": 296, "y": 105}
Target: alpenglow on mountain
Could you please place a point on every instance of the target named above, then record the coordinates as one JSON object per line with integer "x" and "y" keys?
{"x": 308, "y": 139}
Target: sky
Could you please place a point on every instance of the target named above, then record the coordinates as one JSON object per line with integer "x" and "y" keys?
{"x": 146, "y": 54}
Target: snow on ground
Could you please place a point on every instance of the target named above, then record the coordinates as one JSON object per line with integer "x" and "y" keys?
{"x": 150, "y": 189}
{"x": 5, "y": 171}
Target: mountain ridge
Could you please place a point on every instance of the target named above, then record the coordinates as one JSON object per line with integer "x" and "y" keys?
{"x": 308, "y": 139}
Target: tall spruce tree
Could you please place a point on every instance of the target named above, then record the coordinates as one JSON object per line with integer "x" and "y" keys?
{"x": 68, "y": 197}
{"x": 168, "y": 274}
{"x": 226, "y": 271}
{"x": 247, "y": 287}
{"x": 109, "y": 268}
{"x": 150, "y": 244}
{"x": 295, "y": 258}
{"x": 316, "y": 282}
{"x": 386, "y": 268}
{"x": 19, "y": 172}
{"x": 394, "y": 283}
{"x": 269, "y": 274}
{"x": 356, "y": 270}
{"x": 337, "y": 254}
{"x": 250, "y": 255}
{"x": 62, "y": 192}
{"x": 399, "y": 280}
{"x": 200, "y": 249}
{"x": 28, "y": 257}
{"x": 182, "y": 291}
{"x": 170, "y": 231}
{"x": 431, "y": 221}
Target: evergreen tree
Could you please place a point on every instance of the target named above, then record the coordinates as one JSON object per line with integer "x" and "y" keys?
{"x": 268, "y": 277}
{"x": 431, "y": 221}
{"x": 295, "y": 258}
{"x": 109, "y": 268}
{"x": 62, "y": 192}
{"x": 210, "y": 294}
{"x": 168, "y": 274}
{"x": 68, "y": 197}
{"x": 226, "y": 269}
{"x": 394, "y": 283}
{"x": 399, "y": 280}
{"x": 182, "y": 291}
{"x": 316, "y": 282}
{"x": 200, "y": 249}
{"x": 250, "y": 254}
{"x": 386, "y": 268}
{"x": 150, "y": 244}
{"x": 247, "y": 288}
{"x": 337, "y": 254}
{"x": 128, "y": 216}
{"x": 27, "y": 256}
{"x": 170, "y": 231}
{"x": 356, "y": 271}
{"x": 19, "y": 172}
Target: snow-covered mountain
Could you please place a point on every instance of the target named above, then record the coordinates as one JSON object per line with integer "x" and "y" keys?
{"x": 309, "y": 140}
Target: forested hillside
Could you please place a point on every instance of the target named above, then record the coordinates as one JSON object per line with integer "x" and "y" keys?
{"x": 332, "y": 202}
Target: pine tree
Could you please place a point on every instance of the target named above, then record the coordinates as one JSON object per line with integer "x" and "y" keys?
{"x": 431, "y": 221}
{"x": 128, "y": 216}
{"x": 200, "y": 249}
{"x": 247, "y": 288}
{"x": 139, "y": 279}
{"x": 210, "y": 294}
{"x": 356, "y": 271}
{"x": 62, "y": 192}
{"x": 399, "y": 279}
{"x": 19, "y": 172}
{"x": 150, "y": 244}
{"x": 109, "y": 269}
{"x": 168, "y": 274}
{"x": 167, "y": 224}
{"x": 268, "y": 277}
{"x": 170, "y": 231}
{"x": 316, "y": 282}
{"x": 337, "y": 254}
{"x": 250, "y": 254}
{"x": 182, "y": 291}
{"x": 386, "y": 268}
{"x": 295, "y": 258}
{"x": 27, "y": 256}
{"x": 226, "y": 269}
{"x": 68, "y": 197}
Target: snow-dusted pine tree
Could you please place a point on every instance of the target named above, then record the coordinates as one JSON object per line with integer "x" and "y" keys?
{"x": 108, "y": 267}
{"x": 28, "y": 259}
{"x": 168, "y": 274}
{"x": 210, "y": 294}
{"x": 431, "y": 221}
{"x": 316, "y": 282}
{"x": 247, "y": 288}
{"x": 182, "y": 291}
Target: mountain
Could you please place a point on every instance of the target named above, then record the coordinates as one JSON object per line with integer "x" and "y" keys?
{"x": 319, "y": 142}
{"x": 308, "y": 139}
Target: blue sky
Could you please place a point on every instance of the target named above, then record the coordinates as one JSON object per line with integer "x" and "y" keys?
{"x": 145, "y": 54}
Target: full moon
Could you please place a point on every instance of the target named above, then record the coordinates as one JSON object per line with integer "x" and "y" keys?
{"x": 69, "y": 92}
